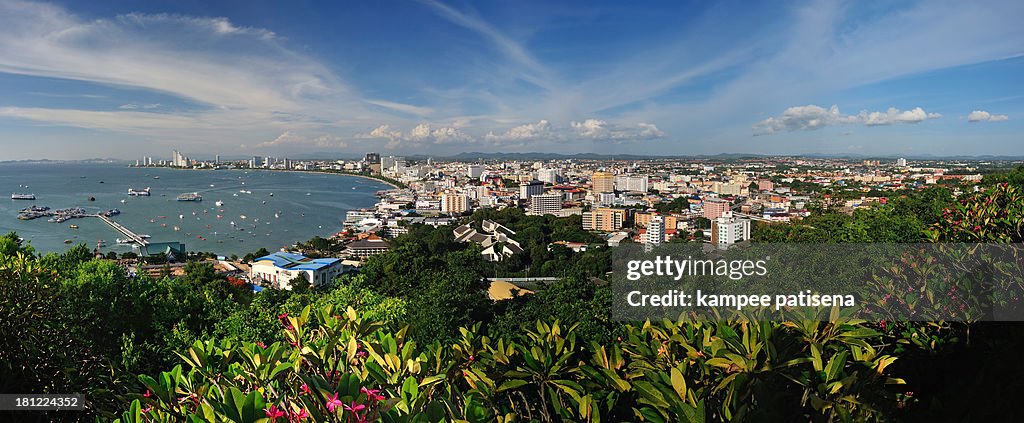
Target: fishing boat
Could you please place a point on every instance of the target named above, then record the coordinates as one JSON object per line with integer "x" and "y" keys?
{"x": 190, "y": 196}
{"x": 73, "y": 226}
{"x": 16, "y": 196}
{"x": 156, "y": 177}
{"x": 139, "y": 192}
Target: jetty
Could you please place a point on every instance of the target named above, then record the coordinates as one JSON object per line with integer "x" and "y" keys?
{"x": 134, "y": 237}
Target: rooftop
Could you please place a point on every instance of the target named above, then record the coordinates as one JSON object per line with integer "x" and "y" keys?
{"x": 296, "y": 261}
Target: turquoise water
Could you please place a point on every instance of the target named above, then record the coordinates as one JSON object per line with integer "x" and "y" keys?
{"x": 260, "y": 219}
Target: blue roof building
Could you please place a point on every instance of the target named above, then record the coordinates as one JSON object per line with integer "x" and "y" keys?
{"x": 280, "y": 268}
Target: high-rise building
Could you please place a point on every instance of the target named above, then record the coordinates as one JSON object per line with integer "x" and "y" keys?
{"x": 714, "y": 208}
{"x": 631, "y": 183}
{"x": 604, "y": 219}
{"x": 530, "y": 189}
{"x": 901, "y": 162}
{"x": 474, "y": 171}
{"x": 602, "y": 182}
{"x": 454, "y": 203}
{"x": 545, "y": 204}
{"x": 387, "y": 163}
{"x": 655, "y": 231}
{"x": 727, "y": 230}
{"x": 765, "y": 185}
{"x": 372, "y": 158}
{"x": 179, "y": 160}
{"x": 551, "y": 176}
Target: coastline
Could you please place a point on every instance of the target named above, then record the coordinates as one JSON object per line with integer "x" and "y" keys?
{"x": 320, "y": 172}
{"x": 357, "y": 175}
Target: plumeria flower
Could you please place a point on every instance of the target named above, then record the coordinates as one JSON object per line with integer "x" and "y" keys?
{"x": 353, "y": 407}
{"x": 333, "y": 402}
{"x": 147, "y": 394}
{"x": 302, "y": 414}
{"x": 305, "y": 389}
{"x": 373, "y": 394}
{"x": 273, "y": 412}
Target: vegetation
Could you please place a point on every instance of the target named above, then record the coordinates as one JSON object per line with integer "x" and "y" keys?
{"x": 414, "y": 337}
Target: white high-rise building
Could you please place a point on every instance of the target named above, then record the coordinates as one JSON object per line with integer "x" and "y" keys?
{"x": 551, "y": 176}
{"x": 529, "y": 189}
{"x": 727, "y": 230}
{"x": 901, "y": 162}
{"x": 545, "y": 204}
{"x": 631, "y": 183}
{"x": 474, "y": 171}
{"x": 655, "y": 231}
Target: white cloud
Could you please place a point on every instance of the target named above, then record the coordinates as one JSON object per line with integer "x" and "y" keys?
{"x": 402, "y": 107}
{"x": 983, "y": 116}
{"x": 811, "y": 117}
{"x": 542, "y": 130}
{"x": 599, "y": 130}
{"x": 422, "y": 133}
{"x": 292, "y": 139}
{"x": 894, "y": 115}
{"x": 133, "y": 106}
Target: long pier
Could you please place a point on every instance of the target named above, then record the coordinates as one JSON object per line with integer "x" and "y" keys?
{"x": 134, "y": 237}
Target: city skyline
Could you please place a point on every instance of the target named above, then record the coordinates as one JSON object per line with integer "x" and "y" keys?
{"x": 124, "y": 80}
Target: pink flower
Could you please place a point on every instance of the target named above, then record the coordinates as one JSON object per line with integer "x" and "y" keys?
{"x": 333, "y": 403}
{"x": 353, "y": 407}
{"x": 147, "y": 409}
{"x": 302, "y": 414}
{"x": 373, "y": 394}
{"x": 282, "y": 316}
{"x": 147, "y": 394}
{"x": 305, "y": 389}
{"x": 261, "y": 345}
{"x": 273, "y": 412}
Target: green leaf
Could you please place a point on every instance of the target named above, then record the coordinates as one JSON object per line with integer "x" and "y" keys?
{"x": 678, "y": 383}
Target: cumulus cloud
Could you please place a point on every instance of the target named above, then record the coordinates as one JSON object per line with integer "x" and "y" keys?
{"x": 983, "y": 116}
{"x": 542, "y": 130}
{"x": 811, "y": 117}
{"x": 423, "y": 133}
{"x": 600, "y": 130}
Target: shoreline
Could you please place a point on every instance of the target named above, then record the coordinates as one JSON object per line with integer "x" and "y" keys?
{"x": 321, "y": 172}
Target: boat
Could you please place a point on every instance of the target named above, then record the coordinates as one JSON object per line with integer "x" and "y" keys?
{"x": 16, "y": 196}
{"x": 91, "y": 198}
{"x": 156, "y": 177}
{"x": 123, "y": 241}
{"x": 271, "y": 194}
{"x": 190, "y": 196}
{"x": 68, "y": 241}
{"x": 123, "y": 201}
{"x": 73, "y": 226}
{"x": 219, "y": 203}
{"x": 139, "y": 193}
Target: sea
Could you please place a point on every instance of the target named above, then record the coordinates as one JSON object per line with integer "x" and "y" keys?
{"x": 260, "y": 208}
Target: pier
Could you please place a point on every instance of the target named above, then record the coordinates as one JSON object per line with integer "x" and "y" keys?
{"x": 142, "y": 242}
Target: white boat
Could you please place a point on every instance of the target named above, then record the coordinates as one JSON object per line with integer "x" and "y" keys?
{"x": 219, "y": 203}
{"x": 15, "y": 196}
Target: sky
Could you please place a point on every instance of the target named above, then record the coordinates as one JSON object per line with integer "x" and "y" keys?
{"x": 125, "y": 79}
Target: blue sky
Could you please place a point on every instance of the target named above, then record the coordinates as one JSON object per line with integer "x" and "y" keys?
{"x": 124, "y": 78}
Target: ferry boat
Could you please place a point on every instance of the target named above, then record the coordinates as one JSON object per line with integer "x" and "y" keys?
{"x": 15, "y": 196}
{"x": 135, "y": 192}
{"x": 190, "y": 196}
